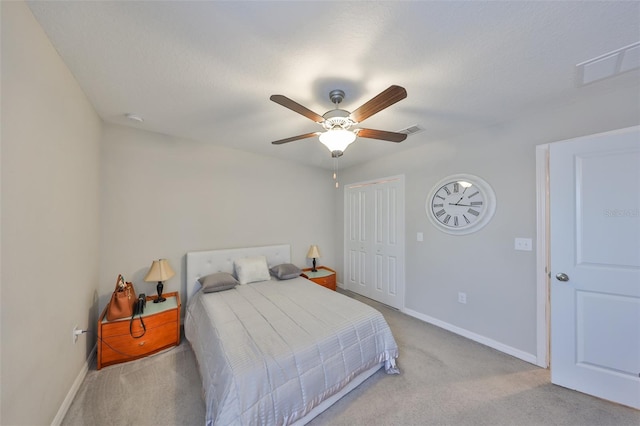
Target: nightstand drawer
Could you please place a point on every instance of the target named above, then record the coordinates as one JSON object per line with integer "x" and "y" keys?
{"x": 124, "y": 347}
{"x": 162, "y": 323}
{"x": 121, "y": 327}
{"x": 329, "y": 282}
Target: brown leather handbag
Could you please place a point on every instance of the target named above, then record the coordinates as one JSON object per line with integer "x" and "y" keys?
{"x": 122, "y": 300}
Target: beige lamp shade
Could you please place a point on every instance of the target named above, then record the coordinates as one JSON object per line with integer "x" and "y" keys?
{"x": 160, "y": 271}
{"x": 313, "y": 252}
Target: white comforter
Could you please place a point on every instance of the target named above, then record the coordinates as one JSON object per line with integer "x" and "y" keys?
{"x": 269, "y": 352}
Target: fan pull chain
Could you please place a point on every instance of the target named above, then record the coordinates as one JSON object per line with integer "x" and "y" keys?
{"x": 335, "y": 171}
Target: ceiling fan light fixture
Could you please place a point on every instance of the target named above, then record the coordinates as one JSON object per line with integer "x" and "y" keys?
{"x": 337, "y": 139}
{"x": 338, "y": 122}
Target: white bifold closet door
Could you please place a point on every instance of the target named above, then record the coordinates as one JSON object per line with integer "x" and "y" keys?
{"x": 374, "y": 240}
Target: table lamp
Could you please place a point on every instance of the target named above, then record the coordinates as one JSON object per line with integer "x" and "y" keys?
{"x": 159, "y": 271}
{"x": 312, "y": 254}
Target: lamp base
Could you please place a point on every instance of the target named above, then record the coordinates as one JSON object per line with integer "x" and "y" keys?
{"x": 159, "y": 299}
{"x": 314, "y": 266}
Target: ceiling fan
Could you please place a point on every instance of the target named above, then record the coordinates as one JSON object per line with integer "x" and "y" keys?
{"x": 338, "y": 123}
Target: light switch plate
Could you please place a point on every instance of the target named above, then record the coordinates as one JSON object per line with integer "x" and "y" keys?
{"x": 524, "y": 244}
{"x": 419, "y": 236}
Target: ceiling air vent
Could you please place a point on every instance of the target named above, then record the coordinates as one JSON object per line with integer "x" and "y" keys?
{"x": 412, "y": 130}
{"x": 608, "y": 65}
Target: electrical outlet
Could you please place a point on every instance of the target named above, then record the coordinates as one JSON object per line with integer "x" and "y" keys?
{"x": 462, "y": 297}
{"x": 76, "y": 332}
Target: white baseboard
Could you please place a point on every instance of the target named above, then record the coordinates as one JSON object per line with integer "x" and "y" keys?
{"x": 525, "y": 356}
{"x": 473, "y": 336}
{"x": 57, "y": 420}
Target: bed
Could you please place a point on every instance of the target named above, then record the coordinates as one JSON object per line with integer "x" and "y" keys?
{"x": 278, "y": 351}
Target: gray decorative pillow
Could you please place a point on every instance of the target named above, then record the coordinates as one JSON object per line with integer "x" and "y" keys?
{"x": 252, "y": 269}
{"x": 218, "y": 282}
{"x": 285, "y": 271}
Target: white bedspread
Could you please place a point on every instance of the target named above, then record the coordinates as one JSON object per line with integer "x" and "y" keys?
{"x": 270, "y": 352}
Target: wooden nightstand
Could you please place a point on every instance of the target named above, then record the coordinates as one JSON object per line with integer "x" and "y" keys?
{"x": 115, "y": 344}
{"x": 326, "y": 277}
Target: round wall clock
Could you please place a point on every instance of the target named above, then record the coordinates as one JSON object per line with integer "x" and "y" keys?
{"x": 461, "y": 204}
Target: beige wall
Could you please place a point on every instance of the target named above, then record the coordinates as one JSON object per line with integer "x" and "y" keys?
{"x": 162, "y": 197}
{"x": 50, "y": 228}
{"x": 500, "y": 282}
{"x": 72, "y": 205}
{"x": 82, "y": 202}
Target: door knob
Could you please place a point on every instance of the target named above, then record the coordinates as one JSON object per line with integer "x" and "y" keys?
{"x": 562, "y": 277}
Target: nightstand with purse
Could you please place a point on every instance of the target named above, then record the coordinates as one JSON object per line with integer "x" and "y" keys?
{"x": 130, "y": 328}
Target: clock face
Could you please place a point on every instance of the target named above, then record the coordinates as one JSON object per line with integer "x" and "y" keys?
{"x": 460, "y": 204}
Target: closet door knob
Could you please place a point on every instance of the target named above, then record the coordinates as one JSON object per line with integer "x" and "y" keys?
{"x": 561, "y": 276}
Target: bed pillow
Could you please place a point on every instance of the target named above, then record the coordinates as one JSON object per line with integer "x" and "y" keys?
{"x": 285, "y": 271}
{"x": 252, "y": 269}
{"x": 217, "y": 282}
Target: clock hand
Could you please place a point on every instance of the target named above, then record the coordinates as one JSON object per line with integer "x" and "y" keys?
{"x": 458, "y": 204}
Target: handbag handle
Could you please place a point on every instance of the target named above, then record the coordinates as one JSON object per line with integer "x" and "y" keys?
{"x": 120, "y": 283}
{"x": 144, "y": 328}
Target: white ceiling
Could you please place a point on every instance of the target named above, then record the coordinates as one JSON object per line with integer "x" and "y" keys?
{"x": 205, "y": 70}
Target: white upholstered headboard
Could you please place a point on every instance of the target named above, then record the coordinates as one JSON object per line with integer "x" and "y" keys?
{"x": 201, "y": 263}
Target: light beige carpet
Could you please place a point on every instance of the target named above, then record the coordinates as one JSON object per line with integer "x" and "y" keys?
{"x": 445, "y": 380}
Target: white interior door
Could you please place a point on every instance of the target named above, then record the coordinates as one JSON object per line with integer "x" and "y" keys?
{"x": 595, "y": 265}
{"x": 357, "y": 240}
{"x": 374, "y": 246}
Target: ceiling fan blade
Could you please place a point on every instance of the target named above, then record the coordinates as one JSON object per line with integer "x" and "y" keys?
{"x": 383, "y": 100}
{"x": 296, "y": 107}
{"x": 295, "y": 138}
{"x": 382, "y": 135}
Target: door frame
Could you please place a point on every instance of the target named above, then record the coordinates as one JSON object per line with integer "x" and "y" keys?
{"x": 543, "y": 303}
{"x": 401, "y": 229}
